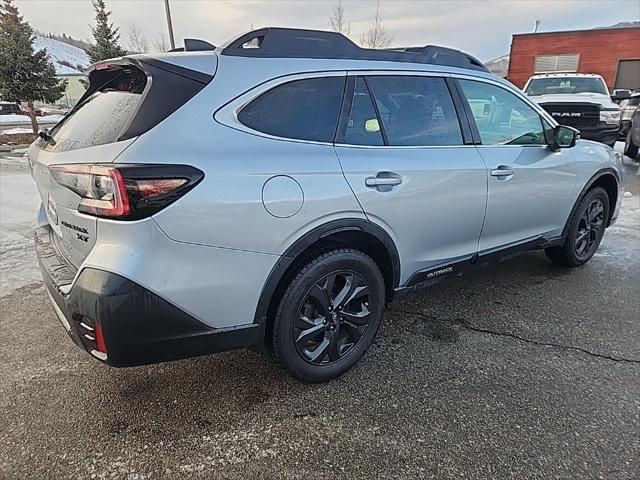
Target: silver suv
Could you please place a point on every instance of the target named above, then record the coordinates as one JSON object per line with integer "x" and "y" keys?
{"x": 278, "y": 191}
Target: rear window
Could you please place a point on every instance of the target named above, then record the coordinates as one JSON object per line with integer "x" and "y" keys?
{"x": 103, "y": 115}
{"x": 305, "y": 109}
{"x": 557, "y": 85}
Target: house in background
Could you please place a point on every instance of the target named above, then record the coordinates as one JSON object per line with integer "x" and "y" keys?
{"x": 499, "y": 66}
{"x": 75, "y": 88}
{"x": 613, "y": 52}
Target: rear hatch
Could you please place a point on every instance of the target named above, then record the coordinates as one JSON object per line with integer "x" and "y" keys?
{"x": 125, "y": 98}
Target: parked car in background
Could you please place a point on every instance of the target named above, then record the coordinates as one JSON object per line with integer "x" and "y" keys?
{"x": 627, "y": 110}
{"x": 632, "y": 138}
{"x": 579, "y": 100}
{"x": 10, "y": 108}
{"x": 280, "y": 191}
{"x": 619, "y": 95}
{"x": 55, "y": 110}
{"x": 36, "y": 110}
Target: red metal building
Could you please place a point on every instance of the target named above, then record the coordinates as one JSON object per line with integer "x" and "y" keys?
{"x": 613, "y": 53}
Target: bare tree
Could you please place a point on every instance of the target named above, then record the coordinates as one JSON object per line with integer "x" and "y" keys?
{"x": 161, "y": 43}
{"x": 338, "y": 21}
{"x": 137, "y": 41}
{"x": 376, "y": 35}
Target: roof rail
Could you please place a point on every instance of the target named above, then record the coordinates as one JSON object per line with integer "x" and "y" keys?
{"x": 275, "y": 42}
{"x": 194, "y": 45}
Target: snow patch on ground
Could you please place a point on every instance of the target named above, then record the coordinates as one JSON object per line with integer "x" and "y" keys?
{"x": 19, "y": 203}
{"x": 26, "y": 120}
{"x": 629, "y": 216}
{"x": 16, "y": 131}
{"x": 63, "y": 52}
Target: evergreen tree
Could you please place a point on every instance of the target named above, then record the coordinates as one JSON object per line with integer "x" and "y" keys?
{"x": 25, "y": 75}
{"x": 105, "y": 35}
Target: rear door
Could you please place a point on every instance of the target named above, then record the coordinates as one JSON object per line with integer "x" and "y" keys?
{"x": 403, "y": 152}
{"x": 125, "y": 98}
{"x": 531, "y": 187}
{"x": 87, "y": 135}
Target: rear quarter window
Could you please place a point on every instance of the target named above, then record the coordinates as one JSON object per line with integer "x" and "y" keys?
{"x": 306, "y": 109}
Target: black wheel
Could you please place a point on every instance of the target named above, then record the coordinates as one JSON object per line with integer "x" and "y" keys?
{"x": 630, "y": 149}
{"x": 585, "y": 231}
{"x": 329, "y": 315}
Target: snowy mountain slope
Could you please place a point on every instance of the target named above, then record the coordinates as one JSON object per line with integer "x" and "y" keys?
{"x": 62, "y": 52}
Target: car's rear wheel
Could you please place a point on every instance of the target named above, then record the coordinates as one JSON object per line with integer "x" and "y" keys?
{"x": 630, "y": 149}
{"x": 329, "y": 315}
{"x": 586, "y": 230}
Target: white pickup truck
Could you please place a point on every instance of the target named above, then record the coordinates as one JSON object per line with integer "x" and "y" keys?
{"x": 579, "y": 100}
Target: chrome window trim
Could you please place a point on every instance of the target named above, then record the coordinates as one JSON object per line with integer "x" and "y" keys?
{"x": 411, "y": 147}
{"x": 397, "y": 73}
{"x": 227, "y": 115}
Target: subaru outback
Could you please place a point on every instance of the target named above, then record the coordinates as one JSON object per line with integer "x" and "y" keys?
{"x": 279, "y": 191}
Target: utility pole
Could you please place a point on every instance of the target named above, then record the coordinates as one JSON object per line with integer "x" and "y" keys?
{"x": 536, "y": 25}
{"x": 168, "y": 11}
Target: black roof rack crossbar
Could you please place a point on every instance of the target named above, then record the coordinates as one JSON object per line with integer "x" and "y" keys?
{"x": 274, "y": 42}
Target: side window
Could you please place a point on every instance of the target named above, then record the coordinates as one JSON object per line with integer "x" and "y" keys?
{"x": 305, "y": 109}
{"x": 502, "y": 118}
{"x": 416, "y": 110}
{"x": 363, "y": 127}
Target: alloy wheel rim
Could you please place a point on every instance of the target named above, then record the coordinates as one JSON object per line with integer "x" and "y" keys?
{"x": 589, "y": 228}
{"x": 332, "y": 318}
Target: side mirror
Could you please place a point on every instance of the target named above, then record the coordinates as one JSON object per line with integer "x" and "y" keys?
{"x": 620, "y": 95}
{"x": 564, "y": 137}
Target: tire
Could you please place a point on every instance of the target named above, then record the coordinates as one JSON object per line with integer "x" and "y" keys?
{"x": 329, "y": 315}
{"x": 630, "y": 149}
{"x": 586, "y": 229}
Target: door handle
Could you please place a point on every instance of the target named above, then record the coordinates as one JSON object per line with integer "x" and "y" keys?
{"x": 383, "y": 179}
{"x": 502, "y": 171}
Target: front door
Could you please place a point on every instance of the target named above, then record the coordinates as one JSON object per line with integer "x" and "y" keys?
{"x": 531, "y": 187}
{"x": 402, "y": 152}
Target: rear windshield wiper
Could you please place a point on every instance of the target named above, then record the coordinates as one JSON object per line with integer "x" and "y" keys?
{"x": 44, "y": 134}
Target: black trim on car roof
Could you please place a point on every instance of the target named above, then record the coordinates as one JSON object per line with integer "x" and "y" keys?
{"x": 275, "y": 42}
{"x": 461, "y": 111}
{"x": 203, "y": 78}
{"x": 475, "y": 133}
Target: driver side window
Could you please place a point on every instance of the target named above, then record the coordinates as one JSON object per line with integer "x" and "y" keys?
{"x": 502, "y": 118}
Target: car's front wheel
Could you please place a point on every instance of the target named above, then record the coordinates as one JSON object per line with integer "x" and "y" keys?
{"x": 586, "y": 229}
{"x": 329, "y": 315}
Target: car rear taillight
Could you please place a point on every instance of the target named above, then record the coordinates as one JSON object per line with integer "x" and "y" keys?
{"x": 126, "y": 192}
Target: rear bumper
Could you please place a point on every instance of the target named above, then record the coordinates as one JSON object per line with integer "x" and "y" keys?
{"x": 138, "y": 326}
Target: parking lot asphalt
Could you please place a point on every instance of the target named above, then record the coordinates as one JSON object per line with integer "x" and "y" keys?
{"x": 517, "y": 370}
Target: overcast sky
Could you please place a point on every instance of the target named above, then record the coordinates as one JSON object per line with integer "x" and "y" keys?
{"x": 481, "y": 27}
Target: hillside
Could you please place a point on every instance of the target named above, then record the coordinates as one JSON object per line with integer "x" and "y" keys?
{"x": 66, "y": 58}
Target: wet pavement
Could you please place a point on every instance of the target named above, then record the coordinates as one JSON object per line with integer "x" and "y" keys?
{"x": 519, "y": 370}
